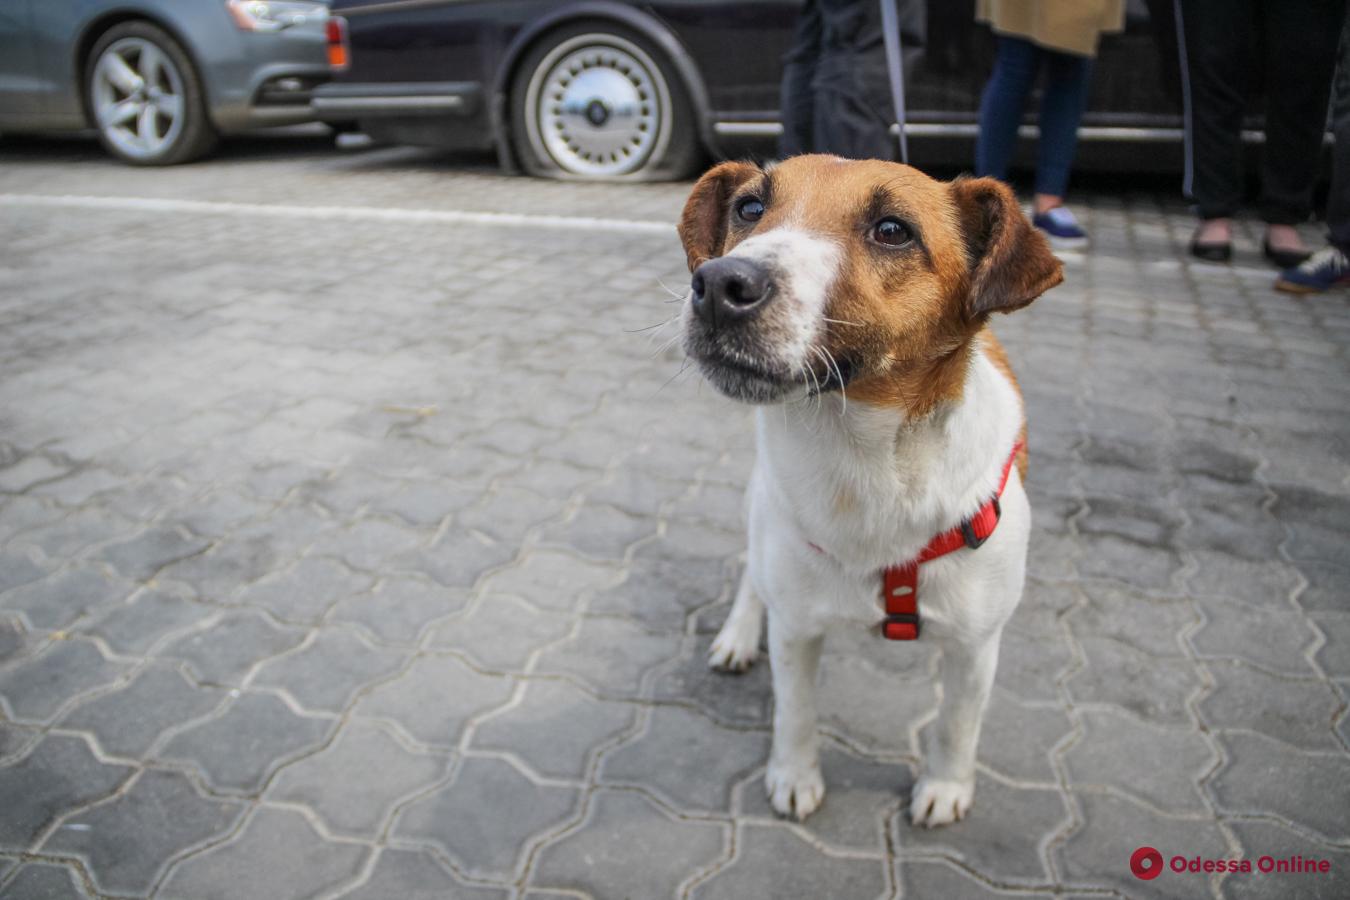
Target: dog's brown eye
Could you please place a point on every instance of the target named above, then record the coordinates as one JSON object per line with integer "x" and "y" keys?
{"x": 892, "y": 233}
{"x": 750, "y": 209}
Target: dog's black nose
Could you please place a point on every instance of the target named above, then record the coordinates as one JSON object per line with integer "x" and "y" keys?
{"x": 729, "y": 288}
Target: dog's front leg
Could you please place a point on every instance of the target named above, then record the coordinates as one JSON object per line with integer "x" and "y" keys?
{"x": 944, "y": 792}
{"x": 793, "y": 777}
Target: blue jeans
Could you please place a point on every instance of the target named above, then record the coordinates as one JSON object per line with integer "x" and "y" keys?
{"x": 1067, "y": 79}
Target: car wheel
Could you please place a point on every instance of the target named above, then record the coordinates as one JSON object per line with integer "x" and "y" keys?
{"x": 599, "y": 102}
{"x": 145, "y": 98}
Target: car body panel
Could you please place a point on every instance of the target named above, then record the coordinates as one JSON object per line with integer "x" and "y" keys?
{"x": 730, "y": 55}
{"x": 233, "y": 64}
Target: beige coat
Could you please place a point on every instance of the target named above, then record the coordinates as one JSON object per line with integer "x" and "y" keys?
{"x": 1069, "y": 26}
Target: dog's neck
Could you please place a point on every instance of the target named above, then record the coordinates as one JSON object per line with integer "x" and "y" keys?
{"x": 881, "y": 479}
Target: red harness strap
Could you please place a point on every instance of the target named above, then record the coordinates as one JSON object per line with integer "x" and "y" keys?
{"x": 900, "y": 584}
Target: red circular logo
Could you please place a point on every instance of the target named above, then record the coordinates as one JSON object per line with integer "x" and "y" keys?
{"x": 1146, "y": 863}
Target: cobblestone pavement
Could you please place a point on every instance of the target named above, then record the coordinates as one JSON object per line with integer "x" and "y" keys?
{"x": 373, "y": 555}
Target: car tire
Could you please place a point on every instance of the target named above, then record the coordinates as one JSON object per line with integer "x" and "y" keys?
{"x": 145, "y": 99}
{"x": 595, "y": 101}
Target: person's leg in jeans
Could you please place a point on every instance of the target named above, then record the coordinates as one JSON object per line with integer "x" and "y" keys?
{"x": 1015, "y": 67}
{"x": 1068, "y": 79}
{"x": 1217, "y": 37}
{"x": 1300, "y": 49}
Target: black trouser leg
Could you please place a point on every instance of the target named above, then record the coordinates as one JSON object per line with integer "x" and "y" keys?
{"x": 798, "y": 96}
{"x": 1338, "y": 203}
{"x": 1218, "y": 35}
{"x": 1300, "y": 48}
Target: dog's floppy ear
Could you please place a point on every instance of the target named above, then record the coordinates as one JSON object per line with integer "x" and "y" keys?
{"x": 1010, "y": 261}
{"x": 703, "y": 226}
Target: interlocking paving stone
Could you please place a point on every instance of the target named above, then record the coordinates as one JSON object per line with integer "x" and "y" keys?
{"x": 1312, "y": 791}
{"x": 29, "y": 471}
{"x": 413, "y": 875}
{"x": 776, "y": 862}
{"x": 37, "y": 688}
{"x": 610, "y": 655}
{"x": 1260, "y": 839}
{"x": 860, "y": 795}
{"x": 125, "y": 842}
{"x": 128, "y": 721}
{"x": 400, "y": 608}
{"x": 13, "y": 638}
{"x": 277, "y": 854}
{"x": 1098, "y": 851}
{"x": 742, "y": 698}
{"x": 376, "y": 770}
{"x": 57, "y": 775}
{"x": 534, "y": 496}
{"x": 218, "y": 574}
{"x": 237, "y": 750}
{"x": 661, "y": 594}
{"x": 325, "y": 675}
{"x": 1151, "y": 688}
{"x": 306, "y": 592}
{"x": 55, "y": 602}
{"x": 553, "y": 580}
{"x": 850, "y": 700}
{"x": 134, "y": 625}
{"x": 229, "y": 648}
{"x": 456, "y": 559}
{"x": 1160, "y": 765}
{"x": 999, "y": 838}
{"x": 152, "y": 550}
{"x": 44, "y": 881}
{"x": 476, "y": 633}
{"x": 554, "y": 728}
{"x": 687, "y": 758}
{"x": 627, "y": 847}
{"x": 465, "y": 819}
{"x": 16, "y": 568}
{"x": 1295, "y": 712}
{"x": 435, "y": 698}
{"x": 945, "y": 879}
{"x": 74, "y": 534}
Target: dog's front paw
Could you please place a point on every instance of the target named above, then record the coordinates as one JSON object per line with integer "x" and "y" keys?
{"x": 794, "y": 790}
{"x": 940, "y": 802}
{"x": 736, "y": 646}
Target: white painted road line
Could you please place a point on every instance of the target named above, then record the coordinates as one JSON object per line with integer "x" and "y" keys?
{"x": 339, "y": 213}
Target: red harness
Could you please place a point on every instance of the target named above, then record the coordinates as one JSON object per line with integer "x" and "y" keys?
{"x": 900, "y": 584}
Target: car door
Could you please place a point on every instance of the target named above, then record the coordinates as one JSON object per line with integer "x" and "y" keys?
{"x": 20, "y": 94}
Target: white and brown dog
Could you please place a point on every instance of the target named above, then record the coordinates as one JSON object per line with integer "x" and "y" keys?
{"x": 854, "y": 296}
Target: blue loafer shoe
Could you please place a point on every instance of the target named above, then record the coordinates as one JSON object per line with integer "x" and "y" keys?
{"x": 1324, "y": 270}
{"x": 1062, "y": 229}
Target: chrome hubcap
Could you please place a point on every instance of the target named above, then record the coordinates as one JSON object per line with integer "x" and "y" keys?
{"x": 137, "y": 97}
{"x": 598, "y": 106}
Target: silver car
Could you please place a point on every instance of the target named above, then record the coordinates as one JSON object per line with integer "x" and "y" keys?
{"x": 160, "y": 80}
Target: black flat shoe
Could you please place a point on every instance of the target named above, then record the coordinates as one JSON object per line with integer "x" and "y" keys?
{"x": 1212, "y": 252}
{"x": 1284, "y": 259}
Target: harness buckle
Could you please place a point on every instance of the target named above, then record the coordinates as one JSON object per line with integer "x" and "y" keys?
{"x": 900, "y": 627}
{"x": 968, "y": 528}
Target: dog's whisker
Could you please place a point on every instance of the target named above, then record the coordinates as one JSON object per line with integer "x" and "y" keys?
{"x": 647, "y": 327}
{"x": 839, "y": 373}
{"x": 684, "y": 365}
{"x": 841, "y": 322}
{"x": 665, "y": 287}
